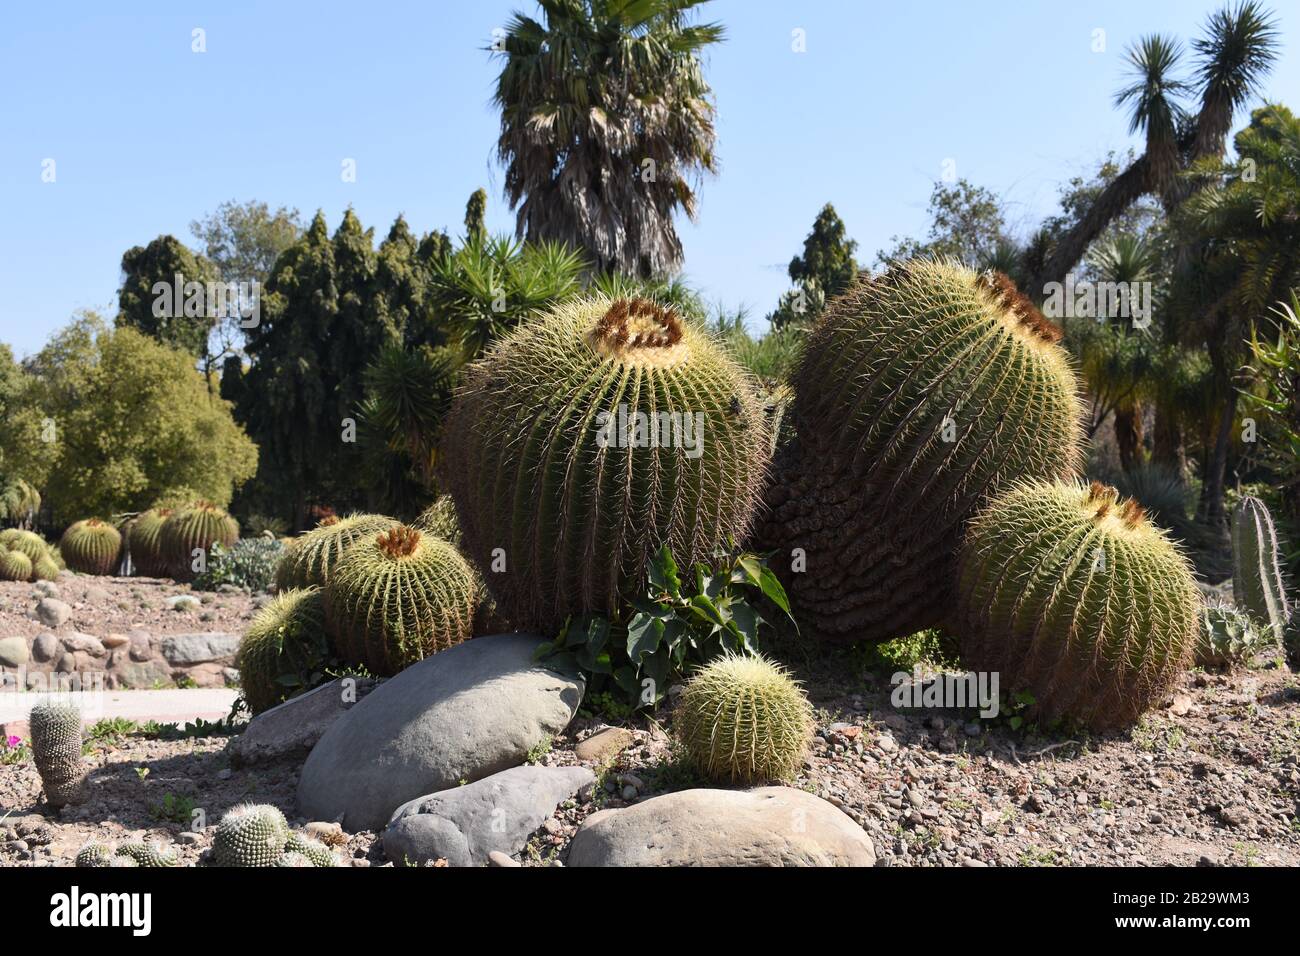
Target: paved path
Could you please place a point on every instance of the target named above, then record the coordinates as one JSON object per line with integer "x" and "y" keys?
{"x": 164, "y": 706}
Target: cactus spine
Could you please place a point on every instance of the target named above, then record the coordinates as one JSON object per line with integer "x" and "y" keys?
{"x": 193, "y": 529}
{"x": 56, "y": 750}
{"x": 1072, "y": 595}
{"x": 588, "y": 438}
{"x": 309, "y": 560}
{"x": 920, "y": 394}
{"x": 398, "y": 597}
{"x": 742, "y": 720}
{"x": 439, "y": 520}
{"x": 1257, "y": 584}
{"x": 91, "y": 547}
{"x": 250, "y": 835}
{"x": 286, "y": 637}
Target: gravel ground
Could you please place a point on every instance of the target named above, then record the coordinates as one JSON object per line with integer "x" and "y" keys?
{"x": 1211, "y": 779}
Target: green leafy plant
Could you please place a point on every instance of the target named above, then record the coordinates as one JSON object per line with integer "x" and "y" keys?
{"x": 173, "y": 809}
{"x": 249, "y": 563}
{"x": 683, "y": 616}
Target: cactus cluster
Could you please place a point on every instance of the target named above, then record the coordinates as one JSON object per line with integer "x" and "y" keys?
{"x": 1258, "y": 587}
{"x": 136, "y": 854}
{"x": 308, "y": 560}
{"x": 15, "y": 566}
{"x": 25, "y": 556}
{"x": 588, "y": 438}
{"x": 1071, "y": 594}
{"x": 193, "y": 529}
{"x": 91, "y": 546}
{"x": 397, "y": 597}
{"x": 258, "y": 835}
{"x": 56, "y": 750}
{"x": 921, "y": 393}
{"x": 287, "y": 637}
{"x": 742, "y": 720}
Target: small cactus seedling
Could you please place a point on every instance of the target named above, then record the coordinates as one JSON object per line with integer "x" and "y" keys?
{"x": 742, "y": 720}
{"x": 1257, "y": 584}
{"x": 56, "y": 750}
{"x": 250, "y": 835}
{"x": 309, "y": 560}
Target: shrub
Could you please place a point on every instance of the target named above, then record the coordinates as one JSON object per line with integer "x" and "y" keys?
{"x": 250, "y": 563}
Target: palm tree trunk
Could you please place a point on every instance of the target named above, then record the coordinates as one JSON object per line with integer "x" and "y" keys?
{"x": 1128, "y": 434}
{"x": 1212, "y": 489}
{"x": 1167, "y": 446}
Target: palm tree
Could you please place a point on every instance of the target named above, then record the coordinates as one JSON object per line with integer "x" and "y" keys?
{"x": 606, "y": 127}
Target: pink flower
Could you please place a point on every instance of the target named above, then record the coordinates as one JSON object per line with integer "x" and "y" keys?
{"x": 12, "y": 741}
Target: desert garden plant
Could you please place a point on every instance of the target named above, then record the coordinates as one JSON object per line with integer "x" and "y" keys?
{"x": 91, "y": 547}
{"x": 144, "y": 541}
{"x": 284, "y": 651}
{"x": 250, "y": 835}
{"x": 309, "y": 560}
{"x": 250, "y": 563}
{"x": 189, "y": 531}
{"x": 1227, "y": 637}
{"x": 56, "y": 749}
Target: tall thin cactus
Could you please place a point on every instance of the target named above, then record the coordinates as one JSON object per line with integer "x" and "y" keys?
{"x": 1257, "y": 584}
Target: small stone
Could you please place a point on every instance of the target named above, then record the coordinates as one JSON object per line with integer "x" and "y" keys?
{"x": 497, "y": 858}
{"x": 45, "y": 647}
{"x": 183, "y": 602}
{"x": 629, "y": 792}
{"x": 604, "y": 744}
{"x": 188, "y": 838}
{"x": 887, "y": 744}
{"x": 112, "y": 641}
{"x": 52, "y": 612}
{"x": 1181, "y": 705}
{"x": 84, "y": 643}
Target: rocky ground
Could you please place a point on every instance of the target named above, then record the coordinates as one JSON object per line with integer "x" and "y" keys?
{"x": 1213, "y": 778}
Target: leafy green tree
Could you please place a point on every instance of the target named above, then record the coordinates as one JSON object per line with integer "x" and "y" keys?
{"x": 147, "y": 301}
{"x": 24, "y": 457}
{"x": 825, "y": 269}
{"x": 476, "y": 213}
{"x": 132, "y": 418}
{"x": 967, "y": 223}
{"x": 606, "y": 127}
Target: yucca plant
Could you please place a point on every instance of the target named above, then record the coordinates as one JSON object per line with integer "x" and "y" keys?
{"x": 920, "y": 394}
{"x": 309, "y": 559}
{"x": 91, "y": 547}
{"x": 1072, "y": 596}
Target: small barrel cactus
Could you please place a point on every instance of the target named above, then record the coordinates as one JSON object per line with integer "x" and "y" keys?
{"x": 91, "y": 547}
{"x": 144, "y": 539}
{"x": 586, "y": 440}
{"x": 308, "y": 560}
{"x": 15, "y": 566}
{"x": 148, "y": 854}
{"x": 920, "y": 393}
{"x": 1227, "y": 637}
{"x": 95, "y": 855}
{"x": 399, "y": 597}
{"x": 31, "y": 544}
{"x": 315, "y": 852}
{"x": 1071, "y": 594}
{"x": 439, "y": 520}
{"x": 742, "y": 720}
{"x": 287, "y": 637}
{"x": 45, "y": 568}
{"x": 195, "y": 529}
{"x": 250, "y": 835}
{"x": 1257, "y": 584}
{"x": 56, "y": 750}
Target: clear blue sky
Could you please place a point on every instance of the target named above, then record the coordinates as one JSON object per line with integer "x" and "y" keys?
{"x": 148, "y": 135}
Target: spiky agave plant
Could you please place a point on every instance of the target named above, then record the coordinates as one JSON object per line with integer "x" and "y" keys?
{"x": 194, "y": 529}
{"x": 309, "y": 560}
{"x": 144, "y": 539}
{"x": 741, "y": 719}
{"x": 91, "y": 546}
{"x": 1258, "y": 587}
{"x": 1070, "y": 593}
{"x": 56, "y": 750}
{"x": 397, "y": 598}
{"x": 921, "y": 393}
{"x": 588, "y": 438}
{"x": 285, "y": 638}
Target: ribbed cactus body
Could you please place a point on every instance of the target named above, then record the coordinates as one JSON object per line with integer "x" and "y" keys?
{"x": 590, "y": 437}
{"x": 308, "y": 560}
{"x": 30, "y": 544}
{"x": 1072, "y": 595}
{"x": 250, "y": 835}
{"x": 285, "y": 637}
{"x": 91, "y": 547}
{"x": 15, "y": 566}
{"x": 1257, "y": 584}
{"x": 315, "y": 852}
{"x": 148, "y": 854}
{"x": 45, "y": 569}
{"x": 398, "y": 597}
{"x": 56, "y": 750}
{"x": 95, "y": 855}
{"x": 439, "y": 520}
{"x": 191, "y": 529}
{"x": 742, "y": 720}
{"x": 920, "y": 394}
{"x": 144, "y": 538}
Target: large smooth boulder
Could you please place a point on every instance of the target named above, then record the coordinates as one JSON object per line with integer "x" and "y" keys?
{"x": 463, "y": 714}
{"x": 464, "y": 825}
{"x": 199, "y": 648}
{"x": 770, "y": 826}
{"x": 291, "y": 729}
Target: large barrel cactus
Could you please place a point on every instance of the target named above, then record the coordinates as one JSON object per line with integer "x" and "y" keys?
{"x": 56, "y": 750}
{"x": 1071, "y": 594}
{"x": 588, "y": 438}
{"x": 921, "y": 393}
{"x": 439, "y": 520}
{"x": 91, "y": 547}
{"x": 192, "y": 529}
{"x": 286, "y": 638}
{"x": 144, "y": 539}
{"x": 397, "y": 598}
{"x": 1258, "y": 587}
{"x": 308, "y": 560}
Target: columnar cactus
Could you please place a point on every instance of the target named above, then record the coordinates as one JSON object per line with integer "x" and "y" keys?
{"x": 192, "y": 529}
{"x": 439, "y": 520}
{"x": 91, "y": 547}
{"x": 398, "y": 597}
{"x": 1071, "y": 594}
{"x": 56, "y": 750}
{"x": 1257, "y": 584}
{"x": 308, "y": 560}
{"x": 920, "y": 393}
{"x": 590, "y": 437}
{"x": 144, "y": 538}
{"x": 742, "y": 720}
{"x": 250, "y": 835}
{"x": 285, "y": 637}
{"x": 15, "y": 566}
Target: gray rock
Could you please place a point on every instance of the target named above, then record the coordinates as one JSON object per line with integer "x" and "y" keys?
{"x": 45, "y": 647}
{"x": 47, "y": 588}
{"x": 141, "y": 646}
{"x": 52, "y": 612}
{"x": 464, "y": 825}
{"x": 497, "y": 858}
{"x": 198, "y": 648}
{"x": 85, "y": 643}
{"x": 463, "y": 714}
{"x": 142, "y": 675}
{"x": 292, "y": 728}
{"x": 95, "y": 595}
{"x": 13, "y": 651}
{"x": 770, "y": 826}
